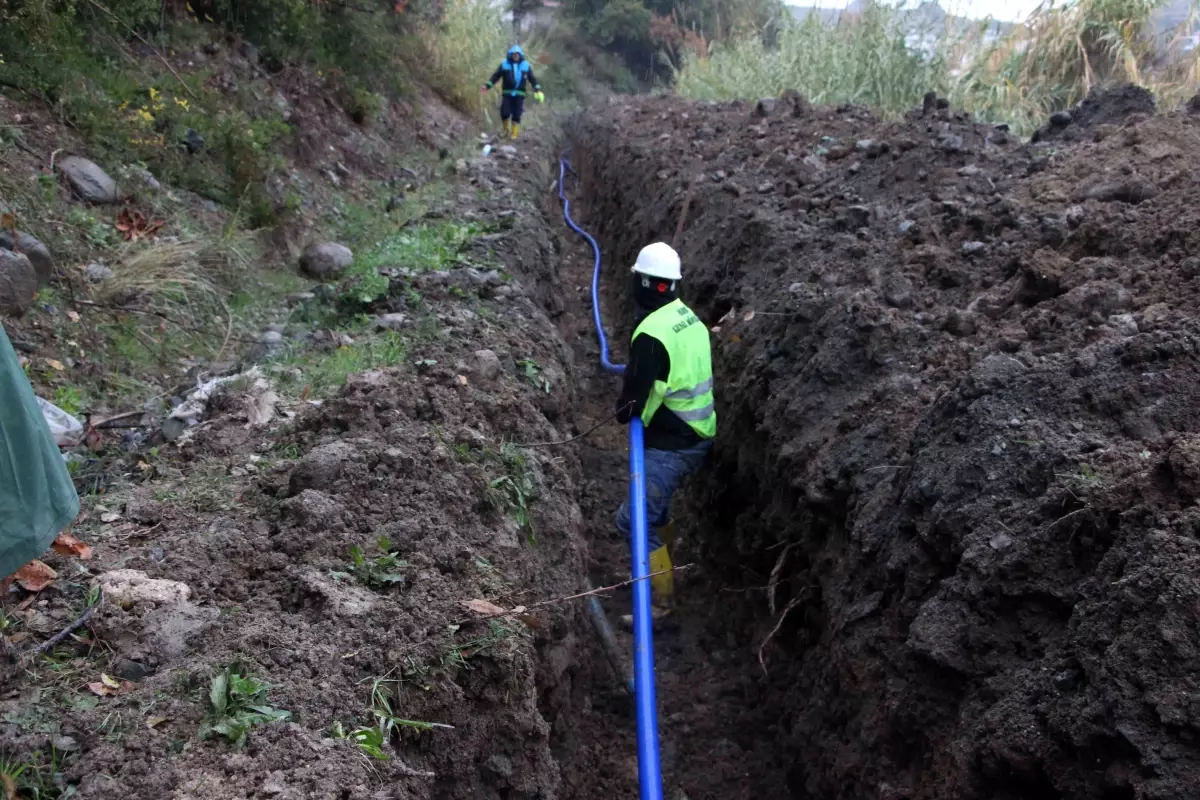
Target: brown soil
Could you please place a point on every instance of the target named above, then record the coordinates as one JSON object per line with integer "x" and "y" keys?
{"x": 946, "y": 547}
{"x": 954, "y": 485}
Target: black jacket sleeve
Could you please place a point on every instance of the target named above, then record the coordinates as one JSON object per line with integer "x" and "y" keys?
{"x": 648, "y": 362}
{"x": 537, "y": 87}
{"x": 495, "y": 76}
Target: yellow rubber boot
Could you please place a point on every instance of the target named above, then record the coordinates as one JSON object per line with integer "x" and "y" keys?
{"x": 516, "y": 128}
{"x": 507, "y": 124}
{"x": 664, "y": 584}
{"x": 667, "y": 534}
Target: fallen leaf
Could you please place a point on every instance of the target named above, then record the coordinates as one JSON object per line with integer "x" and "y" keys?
{"x": 110, "y": 682}
{"x": 19, "y": 637}
{"x": 73, "y": 316}
{"x": 483, "y": 607}
{"x": 109, "y": 518}
{"x": 68, "y": 545}
{"x": 735, "y": 338}
{"x": 749, "y": 316}
{"x": 35, "y": 576}
{"x": 55, "y": 364}
{"x": 154, "y": 722}
{"x": 100, "y": 690}
{"x": 6, "y": 781}
{"x": 462, "y": 380}
{"x": 518, "y": 610}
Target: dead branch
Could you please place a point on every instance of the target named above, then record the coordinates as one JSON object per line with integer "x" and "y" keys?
{"x": 57, "y": 639}
{"x": 762, "y": 662}
{"x": 589, "y": 593}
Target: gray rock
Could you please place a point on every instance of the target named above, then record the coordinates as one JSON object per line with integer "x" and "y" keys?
{"x": 97, "y": 273}
{"x": 192, "y": 141}
{"x": 18, "y": 283}
{"x": 1060, "y": 119}
{"x": 897, "y": 292}
{"x": 487, "y": 365}
{"x": 907, "y": 227}
{"x": 300, "y": 298}
{"x": 269, "y": 345}
{"x": 1075, "y": 216}
{"x": 951, "y": 143}
{"x": 973, "y": 248}
{"x": 766, "y": 106}
{"x": 766, "y": 187}
{"x": 38, "y": 254}
{"x": 146, "y": 178}
{"x": 326, "y": 260}
{"x": 88, "y": 181}
{"x": 872, "y": 148}
{"x": 391, "y": 322}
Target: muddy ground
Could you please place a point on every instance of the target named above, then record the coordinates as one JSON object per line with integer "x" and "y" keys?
{"x": 954, "y": 488}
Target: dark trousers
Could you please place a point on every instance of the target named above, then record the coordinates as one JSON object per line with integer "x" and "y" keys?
{"x": 665, "y": 471}
{"x": 512, "y": 107}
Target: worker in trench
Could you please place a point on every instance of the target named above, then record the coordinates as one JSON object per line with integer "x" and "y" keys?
{"x": 515, "y": 77}
{"x": 669, "y": 386}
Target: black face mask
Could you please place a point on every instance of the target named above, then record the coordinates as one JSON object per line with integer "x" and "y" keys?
{"x": 651, "y": 293}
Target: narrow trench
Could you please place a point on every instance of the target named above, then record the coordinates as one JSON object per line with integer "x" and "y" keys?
{"x": 705, "y": 678}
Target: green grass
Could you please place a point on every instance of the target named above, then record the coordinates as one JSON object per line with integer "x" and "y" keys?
{"x": 322, "y": 374}
{"x": 1046, "y": 64}
{"x": 427, "y": 247}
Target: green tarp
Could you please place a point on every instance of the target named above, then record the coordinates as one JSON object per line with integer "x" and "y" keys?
{"x": 37, "y": 498}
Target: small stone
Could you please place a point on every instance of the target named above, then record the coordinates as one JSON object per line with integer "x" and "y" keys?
{"x": 37, "y": 253}
{"x": 766, "y": 106}
{"x": 131, "y": 670}
{"x": 1014, "y": 423}
{"x": 1060, "y": 119}
{"x": 1075, "y": 216}
{"x": 269, "y": 345}
{"x": 951, "y": 143}
{"x": 89, "y": 182}
{"x": 391, "y": 322}
{"x": 487, "y": 365}
{"x": 301, "y": 298}
{"x": 18, "y": 283}
{"x": 325, "y": 260}
{"x": 1001, "y": 542}
{"x": 970, "y": 171}
{"x": 907, "y": 227}
{"x": 1124, "y": 324}
{"x": 192, "y": 141}
{"x": 97, "y": 273}
{"x": 872, "y": 148}
{"x": 64, "y": 744}
{"x": 765, "y": 187}
{"x": 973, "y": 248}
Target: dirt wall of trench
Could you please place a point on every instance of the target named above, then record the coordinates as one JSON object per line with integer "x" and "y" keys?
{"x": 954, "y": 486}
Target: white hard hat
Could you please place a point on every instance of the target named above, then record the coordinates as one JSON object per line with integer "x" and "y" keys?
{"x": 659, "y": 260}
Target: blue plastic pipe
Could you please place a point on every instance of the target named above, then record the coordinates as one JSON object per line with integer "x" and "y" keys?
{"x": 605, "y": 361}
{"x": 649, "y": 767}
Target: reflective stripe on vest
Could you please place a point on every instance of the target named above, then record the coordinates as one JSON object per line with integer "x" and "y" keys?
{"x": 688, "y": 390}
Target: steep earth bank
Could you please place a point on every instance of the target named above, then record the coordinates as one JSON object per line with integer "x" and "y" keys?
{"x": 952, "y": 505}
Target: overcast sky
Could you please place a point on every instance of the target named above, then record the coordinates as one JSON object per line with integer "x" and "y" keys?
{"x": 1006, "y": 10}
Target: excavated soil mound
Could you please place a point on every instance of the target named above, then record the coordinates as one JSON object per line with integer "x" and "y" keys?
{"x": 954, "y": 488}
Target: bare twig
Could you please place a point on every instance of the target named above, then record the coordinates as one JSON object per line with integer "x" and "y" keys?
{"x": 588, "y": 432}
{"x": 773, "y": 583}
{"x": 588, "y": 593}
{"x": 58, "y": 638}
{"x": 687, "y": 204}
{"x": 142, "y": 39}
{"x": 795, "y": 601}
{"x": 123, "y": 415}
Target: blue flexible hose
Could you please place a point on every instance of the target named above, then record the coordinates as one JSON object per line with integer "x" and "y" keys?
{"x": 605, "y": 361}
{"x": 649, "y": 767}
